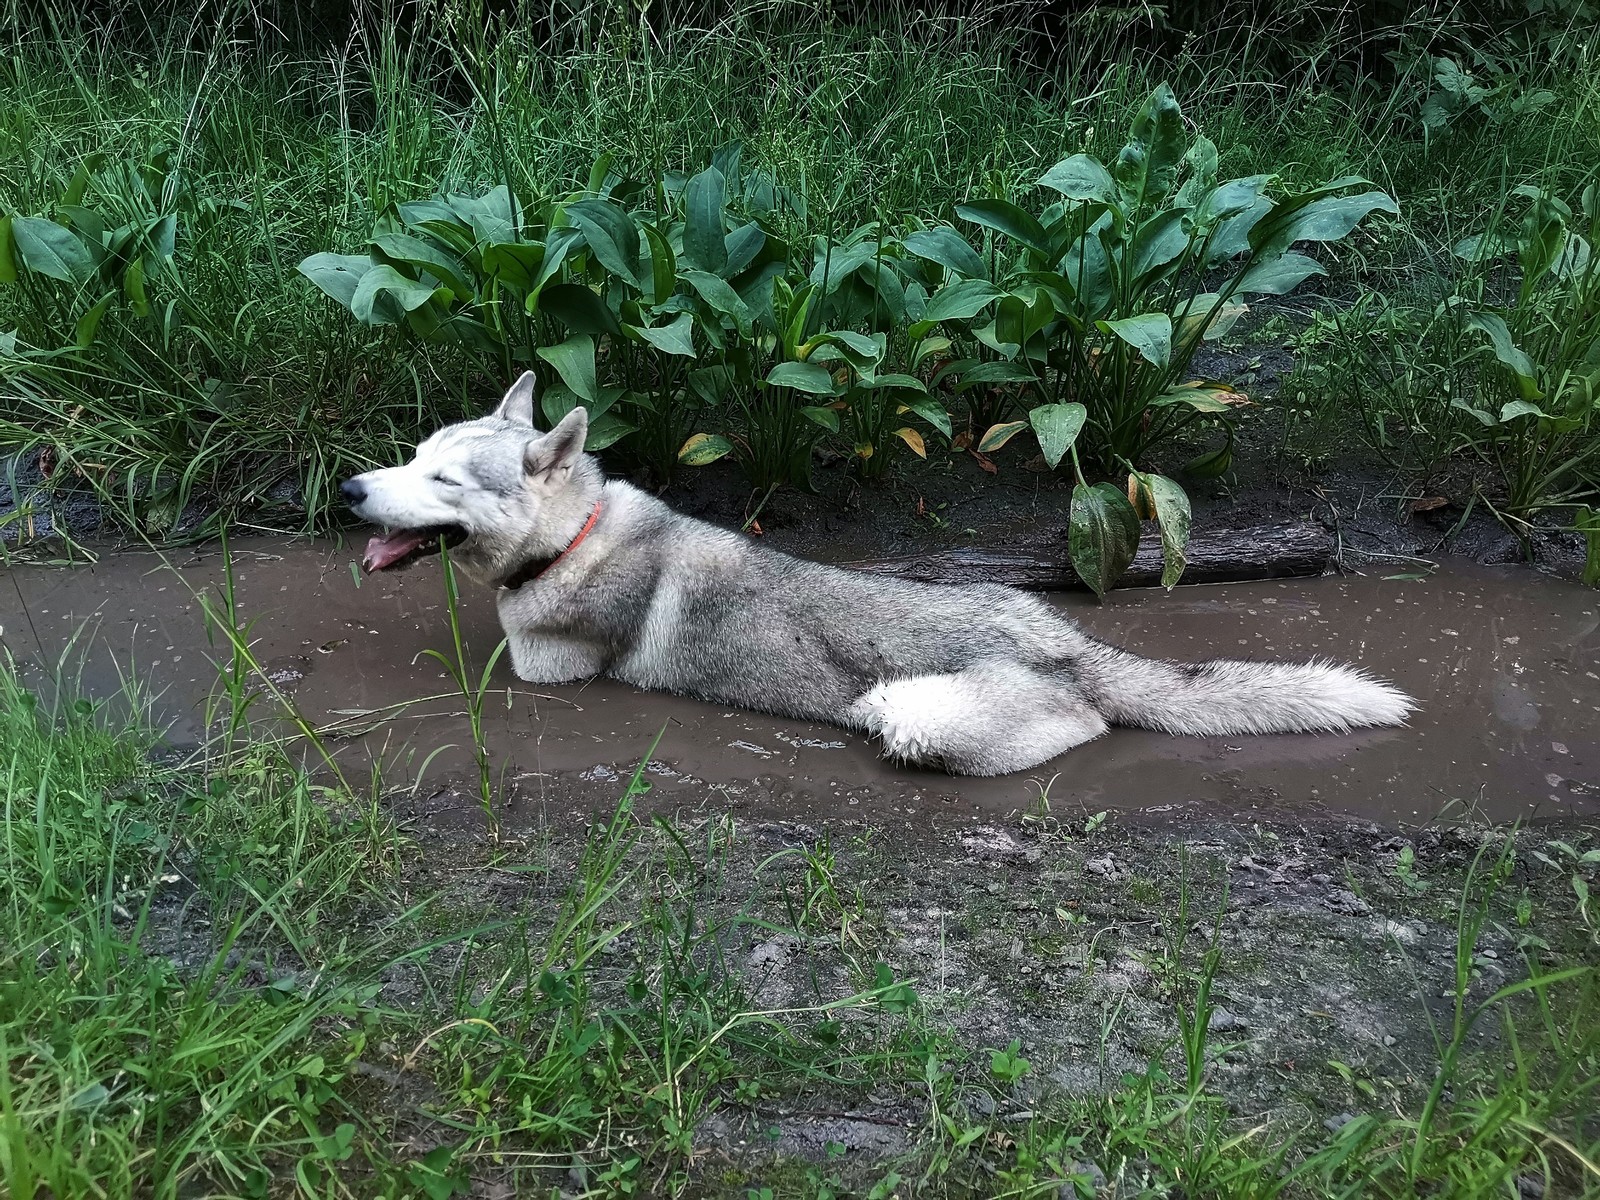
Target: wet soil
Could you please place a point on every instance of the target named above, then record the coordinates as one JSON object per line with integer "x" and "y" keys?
{"x": 1505, "y": 661}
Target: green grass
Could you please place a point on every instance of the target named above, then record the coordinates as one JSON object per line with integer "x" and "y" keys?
{"x": 257, "y": 380}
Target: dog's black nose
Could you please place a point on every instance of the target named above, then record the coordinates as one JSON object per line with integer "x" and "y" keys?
{"x": 354, "y": 491}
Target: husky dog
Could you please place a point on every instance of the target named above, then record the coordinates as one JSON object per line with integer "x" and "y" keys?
{"x": 594, "y": 576}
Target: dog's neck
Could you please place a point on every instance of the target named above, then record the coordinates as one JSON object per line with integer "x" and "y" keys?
{"x": 532, "y": 568}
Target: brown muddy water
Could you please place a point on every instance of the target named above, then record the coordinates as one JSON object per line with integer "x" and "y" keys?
{"x": 1506, "y": 663}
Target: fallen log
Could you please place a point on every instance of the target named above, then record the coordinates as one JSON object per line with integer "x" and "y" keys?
{"x": 1289, "y": 550}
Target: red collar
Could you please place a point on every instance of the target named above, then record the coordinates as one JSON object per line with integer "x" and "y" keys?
{"x": 532, "y": 569}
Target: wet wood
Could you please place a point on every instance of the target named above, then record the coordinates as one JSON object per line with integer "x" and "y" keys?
{"x": 1289, "y": 550}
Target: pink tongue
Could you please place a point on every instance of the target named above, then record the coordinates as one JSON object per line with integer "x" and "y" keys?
{"x": 386, "y": 549}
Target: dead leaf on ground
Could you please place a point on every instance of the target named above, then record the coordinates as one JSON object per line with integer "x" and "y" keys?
{"x": 985, "y": 462}
{"x": 1427, "y": 504}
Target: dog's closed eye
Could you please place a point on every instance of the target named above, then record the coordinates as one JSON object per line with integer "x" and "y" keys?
{"x": 446, "y": 480}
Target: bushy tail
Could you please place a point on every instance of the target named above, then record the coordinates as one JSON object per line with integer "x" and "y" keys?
{"x": 1226, "y": 697}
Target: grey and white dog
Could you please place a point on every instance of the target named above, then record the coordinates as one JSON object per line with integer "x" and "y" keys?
{"x": 597, "y": 577}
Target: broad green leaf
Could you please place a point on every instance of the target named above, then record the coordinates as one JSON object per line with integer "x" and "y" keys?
{"x": 1172, "y": 512}
{"x": 338, "y": 275}
{"x": 998, "y": 435}
{"x": 514, "y": 264}
{"x": 1158, "y": 243}
{"x": 820, "y": 415}
{"x": 704, "y": 448}
{"x": 1521, "y": 408}
{"x": 90, "y": 321}
{"x": 1057, "y": 426}
{"x": 802, "y": 377}
{"x": 1508, "y": 353}
{"x": 946, "y": 247}
{"x": 8, "y": 258}
{"x": 996, "y": 372}
{"x": 573, "y": 360}
{"x": 413, "y": 251}
{"x": 611, "y": 234}
{"x": 1081, "y": 178}
{"x": 1277, "y": 275}
{"x": 1102, "y": 535}
{"x": 1326, "y": 219}
{"x": 1212, "y": 314}
{"x": 931, "y": 411}
{"x": 719, "y": 294}
{"x": 1006, "y": 218}
{"x": 51, "y": 250}
{"x": 901, "y": 382}
{"x": 383, "y": 281}
{"x": 674, "y": 338}
{"x": 704, "y": 243}
{"x": 607, "y": 429}
{"x": 579, "y": 308}
{"x": 961, "y": 301}
{"x": 1148, "y": 333}
{"x": 1148, "y": 164}
{"x": 742, "y": 246}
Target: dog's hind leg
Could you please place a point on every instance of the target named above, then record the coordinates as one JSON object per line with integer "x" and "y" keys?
{"x": 991, "y": 718}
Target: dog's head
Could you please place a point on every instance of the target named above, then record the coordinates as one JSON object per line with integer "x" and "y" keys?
{"x": 495, "y": 490}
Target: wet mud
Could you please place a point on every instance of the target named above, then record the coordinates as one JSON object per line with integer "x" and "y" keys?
{"x": 1505, "y": 661}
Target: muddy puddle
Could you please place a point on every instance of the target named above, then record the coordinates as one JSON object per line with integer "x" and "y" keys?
{"x": 1506, "y": 662}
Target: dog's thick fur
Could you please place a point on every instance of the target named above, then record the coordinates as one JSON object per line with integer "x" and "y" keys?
{"x": 977, "y": 680}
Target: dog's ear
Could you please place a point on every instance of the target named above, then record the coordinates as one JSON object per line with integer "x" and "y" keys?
{"x": 517, "y": 406}
{"x": 559, "y": 449}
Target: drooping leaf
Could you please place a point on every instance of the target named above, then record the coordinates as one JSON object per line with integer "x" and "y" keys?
{"x": 931, "y": 411}
{"x": 1509, "y": 353}
{"x": 51, "y": 250}
{"x": 997, "y": 436}
{"x": 607, "y": 429}
{"x": 961, "y": 301}
{"x": 1278, "y": 275}
{"x": 1202, "y": 397}
{"x": 338, "y": 275}
{"x": 1172, "y": 512}
{"x": 719, "y": 294}
{"x": 802, "y": 377}
{"x": 133, "y": 288}
{"x": 1325, "y": 219}
{"x": 946, "y": 247}
{"x": 579, "y": 308}
{"x": 704, "y": 242}
{"x": 1005, "y": 217}
{"x": 1081, "y": 178}
{"x": 995, "y": 372}
{"x": 1148, "y": 333}
{"x": 515, "y": 264}
{"x": 412, "y": 251}
{"x": 1057, "y": 426}
{"x": 1521, "y": 408}
{"x": 824, "y": 415}
{"x": 1212, "y": 463}
{"x": 381, "y": 283}
{"x": 573, "y": 360}
{"x": 913, "y": 439}
{"x": 1102, "y": 535}
{"x": 704, "y": 448}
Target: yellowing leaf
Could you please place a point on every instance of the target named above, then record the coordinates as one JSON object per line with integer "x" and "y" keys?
{"x": 913, "y": 439}
{"x": 998, "y": 435}
{"x": 1144, "y": 504}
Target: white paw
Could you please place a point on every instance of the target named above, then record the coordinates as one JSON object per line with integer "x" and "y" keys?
{"x": 905, "y": 715}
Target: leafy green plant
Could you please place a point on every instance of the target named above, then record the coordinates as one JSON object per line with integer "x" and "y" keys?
{"x": 1094, "y": 313}
{"x": 1534, "y": 383}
